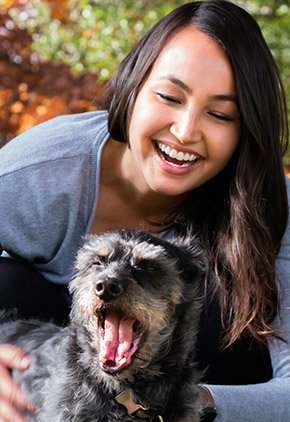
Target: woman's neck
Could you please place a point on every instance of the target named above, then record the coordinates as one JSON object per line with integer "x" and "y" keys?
{"x": 123, "y": 201}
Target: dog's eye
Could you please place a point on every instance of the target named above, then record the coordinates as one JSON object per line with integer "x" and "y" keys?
{"x": 96, "y": 263}
{"x": 100, "y": 260}
{"x": 143, "y": 265}
{"x": 149, "y": 268}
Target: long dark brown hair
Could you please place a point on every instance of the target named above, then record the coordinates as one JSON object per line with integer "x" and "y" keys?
{"x": 241, "y": 214}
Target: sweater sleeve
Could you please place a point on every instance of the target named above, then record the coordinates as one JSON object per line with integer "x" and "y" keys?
{"x": 49, "y": 189}
{"x": 268, "y": 402}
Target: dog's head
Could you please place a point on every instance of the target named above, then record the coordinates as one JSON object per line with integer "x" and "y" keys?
{"x": 129, "y": 290}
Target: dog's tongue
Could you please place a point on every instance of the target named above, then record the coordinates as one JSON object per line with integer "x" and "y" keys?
{"x": 117, "y": 344}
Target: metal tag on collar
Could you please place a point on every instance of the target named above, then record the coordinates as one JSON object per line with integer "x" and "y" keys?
{"x": 134, "y": 410}
{"x": 125, "y": 398}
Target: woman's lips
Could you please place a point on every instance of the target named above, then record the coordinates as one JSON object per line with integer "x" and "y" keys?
{"x": 173, "y": 161}
{"x": 179, "y": 157}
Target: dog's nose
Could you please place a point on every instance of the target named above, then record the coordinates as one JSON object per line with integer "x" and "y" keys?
{"x": 109, "y": 290}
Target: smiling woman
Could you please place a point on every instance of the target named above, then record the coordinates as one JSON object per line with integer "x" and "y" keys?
{"x": 189, "y": 111}
{"x": 191, "y": 139}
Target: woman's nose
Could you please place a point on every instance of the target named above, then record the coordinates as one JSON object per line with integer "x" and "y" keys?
{"x": 186, "y": 127}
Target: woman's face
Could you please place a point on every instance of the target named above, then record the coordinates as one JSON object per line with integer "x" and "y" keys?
{"x": 184, "y": 126}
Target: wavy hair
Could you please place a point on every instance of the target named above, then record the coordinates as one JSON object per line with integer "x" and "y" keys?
{"x": 241, "y": 213}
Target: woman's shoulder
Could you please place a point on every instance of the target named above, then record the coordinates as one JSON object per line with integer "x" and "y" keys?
{"x": 284, "y": 253}
{"x": 288, "y": 187}
{"x": 59, "y": 138}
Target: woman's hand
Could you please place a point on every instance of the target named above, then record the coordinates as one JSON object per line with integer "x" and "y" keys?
{"x": 11, "y": 398}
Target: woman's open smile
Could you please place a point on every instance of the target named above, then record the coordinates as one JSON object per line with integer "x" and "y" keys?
{"x": 175, "y": 160}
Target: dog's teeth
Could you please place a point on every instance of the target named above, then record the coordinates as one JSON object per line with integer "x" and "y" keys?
{"x": 122, "y": 361}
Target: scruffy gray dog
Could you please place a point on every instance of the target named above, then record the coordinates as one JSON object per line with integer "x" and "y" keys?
{"x": 128, "y": 351}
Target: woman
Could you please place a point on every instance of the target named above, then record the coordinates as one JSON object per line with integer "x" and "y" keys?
{"x": 199, "y": 113}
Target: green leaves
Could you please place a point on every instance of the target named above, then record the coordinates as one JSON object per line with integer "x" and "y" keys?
{"x": 88, "y": 35}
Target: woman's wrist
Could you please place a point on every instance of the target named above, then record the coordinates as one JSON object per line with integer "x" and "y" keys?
{"x": 207, "y": 405}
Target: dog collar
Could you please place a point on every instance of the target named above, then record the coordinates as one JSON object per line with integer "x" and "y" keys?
{"x": 136, "y": 411}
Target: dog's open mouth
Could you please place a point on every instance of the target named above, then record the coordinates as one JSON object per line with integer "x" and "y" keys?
{"x": 119, "y": 341}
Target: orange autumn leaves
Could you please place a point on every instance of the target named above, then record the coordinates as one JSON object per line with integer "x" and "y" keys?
{"x": 32, "y": 91}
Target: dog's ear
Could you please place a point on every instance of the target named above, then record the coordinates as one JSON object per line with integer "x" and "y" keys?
{"x": 191, "y": 248}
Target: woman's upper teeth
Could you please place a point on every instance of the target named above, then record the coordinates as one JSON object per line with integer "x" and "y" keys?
{"x": 178, "y": 155}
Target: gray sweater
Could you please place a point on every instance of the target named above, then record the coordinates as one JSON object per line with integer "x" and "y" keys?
{"x": 49, "y": 180}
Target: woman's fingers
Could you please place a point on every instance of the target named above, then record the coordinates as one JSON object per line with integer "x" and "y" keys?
{"x": 9, "y": 414}
{"x": 13, "y": 357}
{"x": 11, "y": 398}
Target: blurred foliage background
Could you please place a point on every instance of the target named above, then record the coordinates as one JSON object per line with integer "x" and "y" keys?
{"x": 56, "y": 55}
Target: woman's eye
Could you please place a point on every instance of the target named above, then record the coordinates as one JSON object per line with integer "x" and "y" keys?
{"x": 221, "y": 117}
{"x": 167, "y": 98}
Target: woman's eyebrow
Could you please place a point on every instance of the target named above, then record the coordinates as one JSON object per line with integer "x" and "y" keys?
{"x": 176, "y": 81}
{"x": 224, "y": 97}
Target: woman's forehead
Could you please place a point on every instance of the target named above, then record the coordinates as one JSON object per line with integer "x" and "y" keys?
{"x": 191, "y": 58}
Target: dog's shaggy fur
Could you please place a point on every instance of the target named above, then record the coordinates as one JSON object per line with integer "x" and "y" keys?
{"x": 132, "y": 327}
